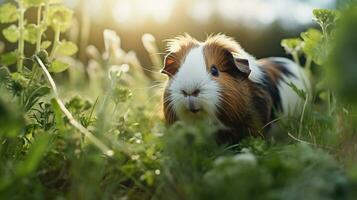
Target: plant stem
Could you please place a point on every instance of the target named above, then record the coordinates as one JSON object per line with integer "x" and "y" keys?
{"x": 329, "y": 102}
{"x": 21, "y": 42}
{"x": 302, "y": 116}
{"x": 56, "y": 42}
{"x": 115, "y": 109}
{"x": 308, "y": 72}
{"x": 39, "y": 24}
{"x": 42, "y": 25}
{"x": 99, "y": 144}
{"x": 308, "y": 65}
{"x": 85, "y": 26}
{"x": 296, "y": 58}
{"x": 38, "y": 45}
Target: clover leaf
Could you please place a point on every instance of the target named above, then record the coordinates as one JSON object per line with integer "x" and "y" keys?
{"x": 292, "y": 45}
{"x": 67, "y": 48}
{"x": 59, "y": 18}
{"x": 11, "y": 33}
{"x": 8, "y": 13}
{"x": 58, "y": 66}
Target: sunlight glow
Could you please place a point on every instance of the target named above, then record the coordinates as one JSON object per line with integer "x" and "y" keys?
{"x": 201, "y": 11}
{"x": 265, "y": 12}
{"x": 247, "y": 11}
{"x": 123, "y": 11}
{"x": 131, "y": 11}
{"x": 254, "y": 13}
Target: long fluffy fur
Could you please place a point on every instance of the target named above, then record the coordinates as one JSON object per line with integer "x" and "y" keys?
{"x": 245, "y": 104}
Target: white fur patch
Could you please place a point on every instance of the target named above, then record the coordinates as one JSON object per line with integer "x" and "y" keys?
{"x": 256, "y": 74}
{"x": 191, "y": 76}
{"x": 291, "y": 103}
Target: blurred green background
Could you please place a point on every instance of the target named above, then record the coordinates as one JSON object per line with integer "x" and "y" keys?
{"x": 259, "y": 25}
{"x": 132, "y": 154}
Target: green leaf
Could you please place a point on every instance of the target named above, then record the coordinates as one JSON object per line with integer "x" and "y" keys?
{"x": 313, "y": 45}
{"x": 292, "y": 45}
{"x": 34, "y": 95}
{"x": 58, "y": 66}
{"x": 121, "y": 94}
{"x": 301, "y": 93}
{"x": 12, "y": 120}
{"x": 45, "y": 44}
{"x": 43, "y": 55}
{"x": 34, "y": 156}
{"x": 326, "y": 18}
{"x": 33, "y": 3}
{"x": 58, "y": 115}
{"x": 4, "y": 75}
{"x": 20, "y": 79}
{"x": 8, "y": 58}
{"x": 31, "y": 33}
{"x": 8, "y": 13}
{"x": 59, "y": 17}
{"x": 67, "y": 48}
{"x": 55, "y": 1}
{"x": 341, "y": 65}
{"x": 11, "y": 33}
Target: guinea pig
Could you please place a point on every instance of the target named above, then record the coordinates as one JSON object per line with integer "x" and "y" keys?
{"x": 217, "y": 81}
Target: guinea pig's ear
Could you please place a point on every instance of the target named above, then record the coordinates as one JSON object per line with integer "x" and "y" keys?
{"x": 170, "y": 65}
{"x": 242, "y": 65}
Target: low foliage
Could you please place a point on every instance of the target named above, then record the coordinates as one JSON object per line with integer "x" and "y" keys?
{"x": 108, "y": 141}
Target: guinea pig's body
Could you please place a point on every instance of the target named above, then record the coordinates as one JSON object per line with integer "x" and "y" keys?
{"x": 217, "y": 81}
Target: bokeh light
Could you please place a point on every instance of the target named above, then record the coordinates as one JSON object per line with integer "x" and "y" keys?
{"x": 247, "y": 12}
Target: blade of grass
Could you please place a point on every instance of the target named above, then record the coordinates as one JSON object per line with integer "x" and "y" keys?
{"x": 99, "y": 144}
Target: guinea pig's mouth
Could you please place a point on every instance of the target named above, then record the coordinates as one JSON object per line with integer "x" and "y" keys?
{"x": 193, "y": 106}
{"x": 194, "y": 111}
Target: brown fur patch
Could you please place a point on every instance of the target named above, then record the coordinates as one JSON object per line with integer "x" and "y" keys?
{"x": 223, "y": 42}
{"x": 271, "y": 69}
{"x": 237, "y": 109}
{"x": 169, "y": 113}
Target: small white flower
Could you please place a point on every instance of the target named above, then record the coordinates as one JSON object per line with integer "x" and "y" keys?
{"x": 111, "y": 41}
{"x": 93, "y": 68}
{"x": 149, "y": 42}
{"x": 93, "y": 52}
{"x": 135, "y": 157}
{"x": 246, "y": 157}
{"x": 132, "y": 59}
{"x": 115, "y": 71}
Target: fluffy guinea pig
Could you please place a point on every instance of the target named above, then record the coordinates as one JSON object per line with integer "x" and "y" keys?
{"x": 217, "y": 81}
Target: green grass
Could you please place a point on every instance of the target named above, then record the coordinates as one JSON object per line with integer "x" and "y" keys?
{"x": 97, "y": 132}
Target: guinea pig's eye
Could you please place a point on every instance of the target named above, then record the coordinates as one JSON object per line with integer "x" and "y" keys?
{"x": 214, "y": 71}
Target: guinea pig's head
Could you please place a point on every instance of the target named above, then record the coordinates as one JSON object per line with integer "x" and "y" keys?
{"x": 207, "y": 80}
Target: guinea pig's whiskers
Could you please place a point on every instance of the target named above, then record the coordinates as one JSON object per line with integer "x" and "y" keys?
{"x": 167, "y": 100}
{"x": 167, "y": 72}
{"x": 160, "y": 86}
{"x": 158, "y": 53}
{"x": 221, "y": 108}
{"x": 171, "y": 108}
{"x": 271, "y": 122}
{"x": 154, "y": 72}
{"x": 221, "y": 98}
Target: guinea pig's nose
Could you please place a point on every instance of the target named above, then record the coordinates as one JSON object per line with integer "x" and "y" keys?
{"x": 195, "y": 93}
